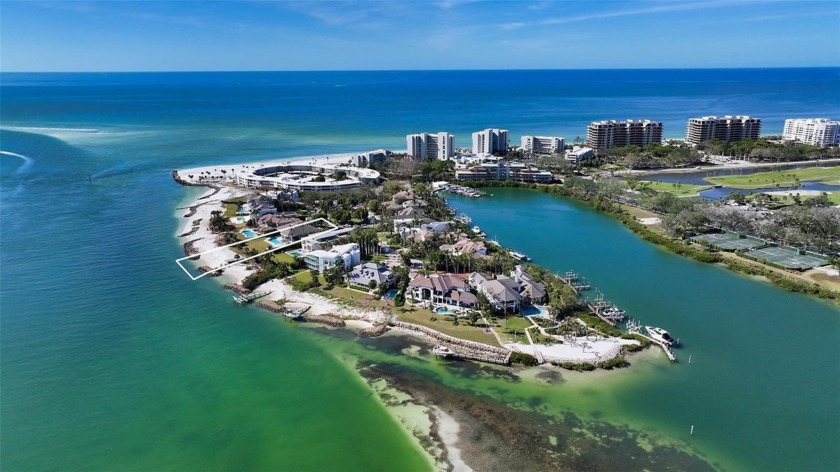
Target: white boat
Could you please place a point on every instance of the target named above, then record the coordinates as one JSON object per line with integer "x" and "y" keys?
{"x": 614, "y": 313}
{"x": 519, "y": 256}
{"x": 442, "y": 351}
{"x": 659, "y": 334}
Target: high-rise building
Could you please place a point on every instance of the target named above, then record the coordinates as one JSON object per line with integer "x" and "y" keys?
{"x": 490, "y": 141}
{"x": 608, "y": 134}
{"x": 430, "y": 145}
{"x": 820, "y": 132}
{"x": 542, "y": 144}
{"x": 726, "y": 128}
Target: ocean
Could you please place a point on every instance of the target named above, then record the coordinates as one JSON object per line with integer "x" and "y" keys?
{"x": 112, "y": 358}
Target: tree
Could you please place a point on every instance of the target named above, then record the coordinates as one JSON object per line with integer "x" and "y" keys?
{"x": 218, "y": 222}
{"x": 314, "y": 274}
{"x": 372, "y": 285}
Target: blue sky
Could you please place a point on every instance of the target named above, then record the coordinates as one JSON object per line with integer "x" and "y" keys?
{"x": 350, "y": 35}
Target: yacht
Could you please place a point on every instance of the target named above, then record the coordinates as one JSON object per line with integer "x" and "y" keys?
{"x": 614, "y": 313}
{"x": 476, "y": 230}
{"x": 519, "y": 256}
{"x": 660, "y": 335}
{"x": 442, "y": 351}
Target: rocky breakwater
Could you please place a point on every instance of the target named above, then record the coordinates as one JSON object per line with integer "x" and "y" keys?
{"x": 271, "y": 306}
{"x": 190, "y": 249}
{"x": 237, "y": 289}
{"x": 373, "y": 331}
{"x": 463, "y": 348}
{"x": 325, "y": 319}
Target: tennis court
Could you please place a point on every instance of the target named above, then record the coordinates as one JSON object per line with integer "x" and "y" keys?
{"x": 788, "y": 258}
{"x": 729, "y": 241}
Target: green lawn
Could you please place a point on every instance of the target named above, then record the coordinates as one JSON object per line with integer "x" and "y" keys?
{"x": 784, "y": 178}
{"x": 678, "y": 189}
{"x": 444, "y": 325}
{"x": 515, "y": 323}
{"x": 283, "y": 257}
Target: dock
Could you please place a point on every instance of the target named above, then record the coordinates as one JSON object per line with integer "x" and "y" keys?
{"x": 246, "y": 298}
{"x": 635, "y": 328}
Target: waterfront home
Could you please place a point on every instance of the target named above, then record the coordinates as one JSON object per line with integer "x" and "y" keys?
{"x": 411, "y": 212}
{"x": 261, "y": 205}
{"x": 321, "y": 260}
{"x": 437, "y": 226}
{"x": 502, "y": 292}
{"x": 270, "y": 221}
{"x": 296, "y": 233}
{"x": 530, "y": 290}
{"x": 363, "y": 274}
{"x": 447, "y": 289}
{"x": 313, "y": 243}
{"x": 465, "y": 245}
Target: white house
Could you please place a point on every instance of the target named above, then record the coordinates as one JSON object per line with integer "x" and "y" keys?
{"x": 321, "y": 260}
{"x": 363, "y": 274}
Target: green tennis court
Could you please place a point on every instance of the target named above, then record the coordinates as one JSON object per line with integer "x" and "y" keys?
{"x": 788, "y": 258}
{"x": 729, "y": 241}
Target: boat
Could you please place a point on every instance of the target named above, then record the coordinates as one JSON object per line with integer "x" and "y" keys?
{"x": 519, "y": 256}
{"x": 613, "y": 313}
{"x": 660, "y": 335}
{"x": 476, "y": 230}
{"x": 442, "y": 351}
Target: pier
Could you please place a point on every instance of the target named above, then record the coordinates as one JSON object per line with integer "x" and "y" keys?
{"x": 246, "y": 298}
{"x": 600, "y": 307}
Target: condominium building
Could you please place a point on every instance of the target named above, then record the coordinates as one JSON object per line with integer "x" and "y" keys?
{"x": 490, "y": 141}
{"x": 577, "y": 154}
{"x": 726, "y": 128}
{"x": 543, "y": 144}
{"x": 820, "y": 132}
{"x": 430, "y": 145}
{"x": 504, "y": 171}
{"x": 608, "y": 134}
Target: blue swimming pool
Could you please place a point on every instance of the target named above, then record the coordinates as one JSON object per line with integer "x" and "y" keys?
{"x": 249, "y": 233}
{"x": 275, "y": 241}
{"x": 390, "y": 294}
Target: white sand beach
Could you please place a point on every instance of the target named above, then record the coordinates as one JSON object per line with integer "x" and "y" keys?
{"x": 584, "y": 349}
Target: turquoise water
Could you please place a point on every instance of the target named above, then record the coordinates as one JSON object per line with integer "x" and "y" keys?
{"x": 249, "y": 233}
{"x": 763, "y": 383}
{"x": 112, "y": 358}
{"x": 275, "y": 241}
{"x": 390, "y": 294}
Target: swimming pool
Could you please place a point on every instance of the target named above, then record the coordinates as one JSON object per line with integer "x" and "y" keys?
{"x": 249, "y": 233}
{"x": 238, "y": 220}
{"x": 275, "y": 241}
{"x": 532, "y": 310}
{"x": 442, "y": 310}
{"x": 389, "y": 295}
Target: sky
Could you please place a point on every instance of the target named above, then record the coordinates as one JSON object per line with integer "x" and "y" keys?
{"x": 192, "y": 35}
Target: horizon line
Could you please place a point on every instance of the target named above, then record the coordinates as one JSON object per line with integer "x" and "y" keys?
{"x": 403, "y": 70}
